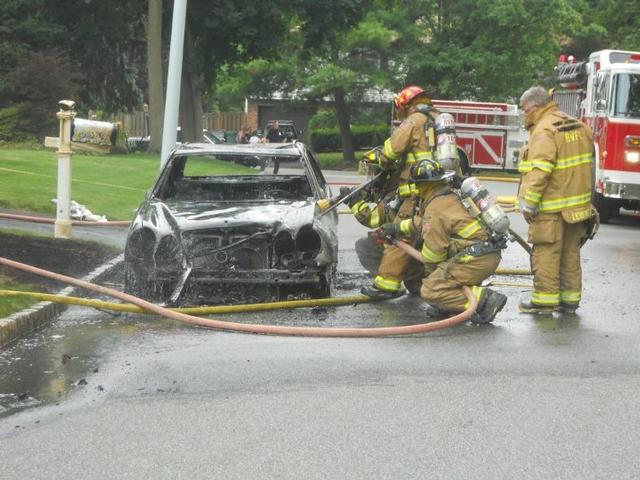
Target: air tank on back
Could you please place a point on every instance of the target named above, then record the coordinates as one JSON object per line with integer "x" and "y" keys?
{"x": 489, "y": 211}
{"x": 446, "y": 146}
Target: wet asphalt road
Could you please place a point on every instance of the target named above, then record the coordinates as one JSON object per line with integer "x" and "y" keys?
{"x": 102, "y": 396}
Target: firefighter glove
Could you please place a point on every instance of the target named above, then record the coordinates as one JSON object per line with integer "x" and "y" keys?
{"x": 344, "y": 191}
{"x": 391, "y": 229}
{"x": 378, "y": 183}
{"x": 360, "y": 195}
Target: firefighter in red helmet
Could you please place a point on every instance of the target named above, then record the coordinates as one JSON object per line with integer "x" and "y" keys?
{"x": 409, "y": 144}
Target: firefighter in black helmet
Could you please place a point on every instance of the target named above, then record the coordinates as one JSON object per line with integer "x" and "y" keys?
{"x": 455, "y": 246}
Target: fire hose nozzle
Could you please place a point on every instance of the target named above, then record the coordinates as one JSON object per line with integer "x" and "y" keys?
{"x": 325, "y": 204}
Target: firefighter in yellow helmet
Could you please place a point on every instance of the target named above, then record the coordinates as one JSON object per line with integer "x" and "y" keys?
{"x": 407, "y": 145}
{"x": 555, "y": 199}
{"x": 457, "y": 249}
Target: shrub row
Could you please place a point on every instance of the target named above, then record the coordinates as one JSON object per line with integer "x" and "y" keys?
{"x": 364, "y": 137}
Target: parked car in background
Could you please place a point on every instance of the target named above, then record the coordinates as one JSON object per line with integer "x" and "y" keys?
{"x": 233, "y": 224}
{"x": 142, "y": 144}
{"x": 214, "y": 136}
{"x": 290, "y": 131}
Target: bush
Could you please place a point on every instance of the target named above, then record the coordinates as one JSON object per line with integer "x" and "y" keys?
{"x": 369, "y": 136}
{"x": 37, "y": 83}
{"x": 323, "y": 119}
{"x": 14, "y": 125}
{"x": 364, "y": 137}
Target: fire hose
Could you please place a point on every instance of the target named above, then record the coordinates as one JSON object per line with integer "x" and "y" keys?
{"x": 139, "y": 305}
{"x": 258, "y": 329}
{"x": 51, "y": 221}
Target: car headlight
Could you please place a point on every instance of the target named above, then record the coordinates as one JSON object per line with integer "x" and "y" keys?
{"x": 309, "y": 243}
{"x": 168, "y": 254}
{"x": 140, "y": 244}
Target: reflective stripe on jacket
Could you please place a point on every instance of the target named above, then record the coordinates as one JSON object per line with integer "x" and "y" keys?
{"x": 408, "y": 144}
{"x": 368, "y": 215}
{"x": 447, "y": 228}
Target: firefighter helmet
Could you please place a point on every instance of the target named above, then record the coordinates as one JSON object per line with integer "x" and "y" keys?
{"x": 407, "y": 94}
{"x": 429, "y": 171}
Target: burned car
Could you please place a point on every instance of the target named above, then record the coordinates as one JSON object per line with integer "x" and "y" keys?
{"x": 233, "y": 223}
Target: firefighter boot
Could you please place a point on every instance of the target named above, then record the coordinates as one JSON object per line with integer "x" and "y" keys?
{"x": 527, "y": 306}
{"x": 435, "y": 312}
{"x": 413, "y": 286}
{"x": 376, "y": 293}
{"x": 490, "y": 305}
{"x": 568, "y": 307}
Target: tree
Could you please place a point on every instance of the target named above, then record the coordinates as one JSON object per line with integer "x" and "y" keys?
{"x": 25, "y": 27}
{"x": 488, "y": 49}
{"x": 223, "y": 32}
{"x": 331, "y": 49}
{"x": 38, "y": 81}
{"x": 155, "y": 73}
{"x": 106, "y": 42}
{"x": 620, "y": 21}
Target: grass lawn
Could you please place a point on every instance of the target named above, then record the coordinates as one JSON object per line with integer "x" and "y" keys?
{"x": 72, "y": 257}
{"x": 333, "y": 160}
{"x": 111, "y": 185}
{"x": 9, "y": 304}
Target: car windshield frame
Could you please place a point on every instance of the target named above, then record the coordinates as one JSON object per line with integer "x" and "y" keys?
{"x": 626, "y": 95}
{"x": 173, "y": 173}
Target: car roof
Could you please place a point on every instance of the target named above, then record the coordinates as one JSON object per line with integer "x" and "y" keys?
{"x": 279, "y": 149}
{"x": 281, "y": 122}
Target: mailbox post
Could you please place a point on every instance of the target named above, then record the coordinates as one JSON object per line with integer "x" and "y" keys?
{"x": 63, "y": 208}
{"x": 82, "y": 134}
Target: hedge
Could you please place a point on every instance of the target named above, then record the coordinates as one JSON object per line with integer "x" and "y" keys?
{"x": 364, "y": 137}
{"x": 13, "y": 125}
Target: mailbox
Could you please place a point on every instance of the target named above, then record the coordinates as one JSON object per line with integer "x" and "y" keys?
{"x": 94, "y": 132}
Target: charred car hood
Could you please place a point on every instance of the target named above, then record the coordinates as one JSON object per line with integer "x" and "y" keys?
{"x": 185, "y": 216}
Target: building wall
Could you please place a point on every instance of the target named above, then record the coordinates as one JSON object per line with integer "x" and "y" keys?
{"x": 252, "y": 115}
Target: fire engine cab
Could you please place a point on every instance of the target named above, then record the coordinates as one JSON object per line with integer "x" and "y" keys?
{"x": 604, "y": 92}
{"x": 489, "y": 135}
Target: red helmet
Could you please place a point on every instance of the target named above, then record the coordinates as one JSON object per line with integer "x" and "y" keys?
{"x": 407, "y": 94}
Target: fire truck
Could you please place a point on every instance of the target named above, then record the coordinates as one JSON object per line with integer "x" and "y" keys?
{"x": 604, "y": 92}
{"x": 489, "y": 135}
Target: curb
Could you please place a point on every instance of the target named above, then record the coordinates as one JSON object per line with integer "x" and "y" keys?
{"x": 21, "y": 323}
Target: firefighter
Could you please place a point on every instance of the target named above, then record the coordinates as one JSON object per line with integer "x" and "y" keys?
{"x": 373, "y": 206}
{"x": 457, "y": 248}
{"x": 555, "y": 200}
{"x": 407, "y": 145}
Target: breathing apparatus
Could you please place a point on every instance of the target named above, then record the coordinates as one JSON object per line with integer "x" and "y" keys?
{"x": 446, "y": 146}
{"x": 426, "y": 109}
{"x": 482, "y": 206}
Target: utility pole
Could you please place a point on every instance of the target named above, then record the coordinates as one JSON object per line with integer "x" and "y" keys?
{"x": 172, "y": 101}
